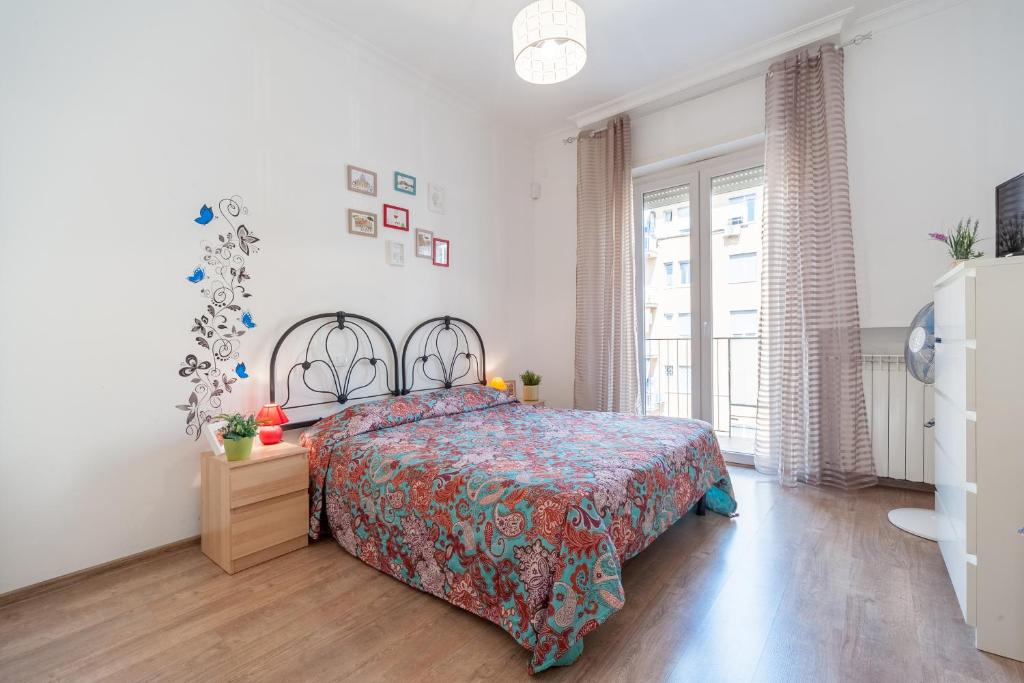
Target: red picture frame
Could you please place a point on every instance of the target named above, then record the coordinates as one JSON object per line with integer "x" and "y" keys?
{"x": 393, "y": 213}
{"x": 446, "y": 252}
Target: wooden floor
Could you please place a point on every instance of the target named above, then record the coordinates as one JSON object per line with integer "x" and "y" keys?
{"x": 806, "y": 585}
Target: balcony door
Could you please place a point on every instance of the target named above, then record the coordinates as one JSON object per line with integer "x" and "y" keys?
{"x": 699, "y": 227}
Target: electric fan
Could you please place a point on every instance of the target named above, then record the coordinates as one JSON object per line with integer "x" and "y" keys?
{"x": 919, "y": 353}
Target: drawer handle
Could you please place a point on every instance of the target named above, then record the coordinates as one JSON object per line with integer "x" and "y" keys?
{"x": 930, "y": 423}
{"x": 938, "y": 340}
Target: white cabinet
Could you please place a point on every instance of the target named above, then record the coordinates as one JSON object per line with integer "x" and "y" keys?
{"x": 979, "y": 445}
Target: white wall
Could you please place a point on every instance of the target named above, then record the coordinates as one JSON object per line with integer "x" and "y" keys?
{"x": 117, "y": 121}
{"x": 718, "y": 118}
{"x": 551, "y": 344}
{"x": 933, "y": 124}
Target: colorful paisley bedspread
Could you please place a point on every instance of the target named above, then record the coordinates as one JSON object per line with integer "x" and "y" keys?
{"x": 521, "y": 515}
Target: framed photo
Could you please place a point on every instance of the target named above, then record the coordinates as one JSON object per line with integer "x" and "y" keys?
{"x": 395, "y": 252}
{"x": 405, "y": 183}
{"x": 212, "y": 431}
{"x": 362, "y": 223}
{"x": 396, "y": 217}
{"x": 435, "y": 197}
{"x": 361, "y": 180}
{"x": 424, "y": 243}
{"x": 442, "y": 252}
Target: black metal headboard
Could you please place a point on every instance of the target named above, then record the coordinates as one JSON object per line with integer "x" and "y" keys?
{"x": 350, "y": 372}
{"x": 447, "y": 350}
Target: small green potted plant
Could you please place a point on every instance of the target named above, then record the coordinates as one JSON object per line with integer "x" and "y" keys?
{"x": 961, "y": 242}
{"x": 238, "y": 434}
{"x": 531, "y": 385}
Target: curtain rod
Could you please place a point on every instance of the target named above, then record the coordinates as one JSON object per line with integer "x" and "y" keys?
{"x": 858, "y": 39}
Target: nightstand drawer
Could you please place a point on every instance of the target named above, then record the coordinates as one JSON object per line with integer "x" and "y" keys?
{"x": 269, "y": 522}
{"x": 268, "y": 480}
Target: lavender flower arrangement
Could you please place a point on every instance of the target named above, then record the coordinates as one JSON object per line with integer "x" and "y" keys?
{"x": 961, "y": 242}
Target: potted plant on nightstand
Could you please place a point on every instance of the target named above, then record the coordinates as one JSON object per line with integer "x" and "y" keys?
{"x": 531, "y": 385}
{"x": 238, "y": 434}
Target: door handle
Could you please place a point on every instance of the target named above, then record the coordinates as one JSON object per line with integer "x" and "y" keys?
{"x": 930, "y": 423}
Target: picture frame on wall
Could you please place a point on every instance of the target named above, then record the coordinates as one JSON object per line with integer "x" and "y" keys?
{"x": 436, "y": 197}
{"x": 212, "y": 432}
{"x": 395, "y": 253}
{"x": 362, "y": 223}
{"x": 424, "y": 243}
{"x": 405, "y": 183}
{"x": 362, "y": 180}
{"x": 442, "y": 252}
{"x": 396, "y": 217}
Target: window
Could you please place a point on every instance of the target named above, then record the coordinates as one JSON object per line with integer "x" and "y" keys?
{"x": 670, "y": 370}
{"x": 683, "y": 324}
{"x": 743, "y": 323}
{"x": 683, "y": 219}
{"x": 651, "y": 222}
{"x": 668, "y": 273}
{"x": 667, "y": 215}
{"x": 743, "y": 267}
{"x": 748, "y": 201}
{"x": 736, "y": 220}
{"x": 684, "y": 273}
{"x": 668, "y": 317}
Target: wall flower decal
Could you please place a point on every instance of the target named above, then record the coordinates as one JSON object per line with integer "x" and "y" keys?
{"x": 220, "y": 325}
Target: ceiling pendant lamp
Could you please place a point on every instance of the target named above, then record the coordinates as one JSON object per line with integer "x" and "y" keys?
{"x": 549, "y": 41}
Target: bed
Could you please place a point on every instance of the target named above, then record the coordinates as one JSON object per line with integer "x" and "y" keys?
{"x": 521, "y": 515}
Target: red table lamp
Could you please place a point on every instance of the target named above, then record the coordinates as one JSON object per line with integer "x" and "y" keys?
{"x": 271, "y": 417}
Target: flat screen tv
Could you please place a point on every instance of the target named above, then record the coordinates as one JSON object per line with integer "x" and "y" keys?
{"x": 1010, "y": 217}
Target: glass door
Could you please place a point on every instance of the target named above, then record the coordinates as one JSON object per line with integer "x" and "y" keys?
{"x": 666, "y": 207}
{"x": 735, "y": 199}
{"x": 699, "y": 228}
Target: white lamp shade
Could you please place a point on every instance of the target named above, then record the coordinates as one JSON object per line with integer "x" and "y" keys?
{"x": 549, "y": 41}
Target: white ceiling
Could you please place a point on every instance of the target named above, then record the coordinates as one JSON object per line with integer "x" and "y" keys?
{"x": 466, "y": 45}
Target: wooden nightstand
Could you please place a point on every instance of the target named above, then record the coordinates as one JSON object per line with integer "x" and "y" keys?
{"x": 255, "y": 509}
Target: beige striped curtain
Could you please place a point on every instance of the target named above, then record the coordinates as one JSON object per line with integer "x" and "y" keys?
{"x": 606, "y": 368}
{"x": 811, "y": 419}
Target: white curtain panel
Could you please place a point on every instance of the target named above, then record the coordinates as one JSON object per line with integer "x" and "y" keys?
{"x": 811, "y": 417}
{"x": 606, "y": 366}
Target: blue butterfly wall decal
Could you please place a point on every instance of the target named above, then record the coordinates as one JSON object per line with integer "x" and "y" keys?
{"x": 197, "y": 275}
{"x": 241, "y": 371}
{"x": 247, "y": 320}
{"x": 205, "y": 215}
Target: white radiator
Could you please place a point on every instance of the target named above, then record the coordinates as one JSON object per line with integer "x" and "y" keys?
{"x": 898, "y": 409}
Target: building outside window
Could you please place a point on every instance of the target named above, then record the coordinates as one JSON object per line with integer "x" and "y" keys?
{"x": 669, "y": 266}
{"x": 683, "y": 324}
{"x": 684, "y": 273}
{"x": 743, "y": 323}
{"x": 743, "y": 267}
{"x": 747, "y": 204}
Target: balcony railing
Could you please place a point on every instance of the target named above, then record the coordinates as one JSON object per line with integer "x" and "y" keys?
{"x": 734, "y": 384}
